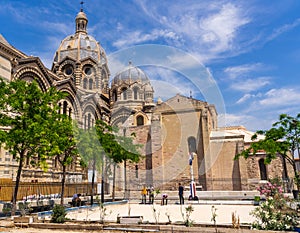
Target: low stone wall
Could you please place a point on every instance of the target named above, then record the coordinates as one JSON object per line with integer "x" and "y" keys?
{"x": 110, "y": 228}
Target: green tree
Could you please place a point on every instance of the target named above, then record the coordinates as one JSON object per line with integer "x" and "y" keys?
{"x": 64, "y": 146}
{"x": 26, "y": 114}
{"x": 119, "y": 148}
{"x": 282, "y": 139}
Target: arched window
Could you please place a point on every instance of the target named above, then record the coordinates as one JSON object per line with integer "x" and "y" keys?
{"x": 114, "y": 95}
{"x": 262, "y": 169}
{"x": 124, "y": 93}
{"x": 135, "y": 93}
{"x": 70, "y": 112}
{"x": 89, "y": 121}
{"x": 192, "y": 144}
{"x": 140, "y": 120}
{"x": 85, "y": 83}
{"x": 136, "y": 171}
{"x": 65, "y": 107}
{"x": 90, "y": 83}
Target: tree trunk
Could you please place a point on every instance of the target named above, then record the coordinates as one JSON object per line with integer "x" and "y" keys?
{"x": 93, "y": 181}
{"x": 285, "y": 175}
{"x": 296, "y": 177}
{"x": 18, "y": 178}
{"x": 102, "y": 180}
{"x": 125, "y": 181}
{"x": 114, "y": 182}
{"x": 63, "y": 180}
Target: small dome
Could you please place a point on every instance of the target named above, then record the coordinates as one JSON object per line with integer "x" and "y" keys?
{"x": 130, "y": 75}
{"x": 81, "y": 15}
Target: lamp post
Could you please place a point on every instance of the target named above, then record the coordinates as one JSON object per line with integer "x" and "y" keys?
{"x": 192, "y": 184}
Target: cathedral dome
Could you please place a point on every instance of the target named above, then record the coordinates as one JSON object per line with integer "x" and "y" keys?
{"x": 130, "y": 75}
{"x": 80, "y": 45}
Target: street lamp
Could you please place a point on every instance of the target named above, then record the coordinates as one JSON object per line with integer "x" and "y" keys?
{"x": 192, "y": 184}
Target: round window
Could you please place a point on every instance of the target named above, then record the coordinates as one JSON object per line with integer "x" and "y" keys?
{"x": 68, "y": 70}
{"x": 88, "y": 70}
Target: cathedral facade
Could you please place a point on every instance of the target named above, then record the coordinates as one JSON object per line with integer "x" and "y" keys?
{"x": 180, "y": 136}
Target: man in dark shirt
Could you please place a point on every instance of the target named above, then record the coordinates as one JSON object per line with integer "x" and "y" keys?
{"x": 180, "y": 193}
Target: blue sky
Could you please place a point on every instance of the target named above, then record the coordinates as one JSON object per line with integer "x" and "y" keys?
{"x": 249, "y": 49}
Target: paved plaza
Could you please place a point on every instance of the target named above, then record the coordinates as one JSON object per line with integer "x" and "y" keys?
{"x": 202, "y": 213}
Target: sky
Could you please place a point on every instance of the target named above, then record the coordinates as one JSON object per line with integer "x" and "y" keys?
{"x": 241, "y": 56}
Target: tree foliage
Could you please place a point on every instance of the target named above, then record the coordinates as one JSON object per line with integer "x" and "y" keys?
{"x": 89, "y": 146}
{"x": 118, "y": 147}
{"x": 282, "y": 139}
{"x": 26, "y": 115}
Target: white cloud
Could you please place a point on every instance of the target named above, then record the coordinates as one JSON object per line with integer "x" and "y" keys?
{"x": 259, "y": 121}
{"x": 244, "y": 98}
{"x": 220, "y": 29}
{"x": 262, "y": 110}
{"x": 233, "y": 119}
{"x": 185, "y": 61}
{"x": 287, "y": 27}
{"x": 207, "y": 29}
{"x": 281, "y": 97}
{"x": 138, "y": 37}
{"x": 235, "y": 72}
{"x": 248, "y": 85}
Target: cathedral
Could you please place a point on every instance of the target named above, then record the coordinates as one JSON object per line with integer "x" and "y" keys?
{"x": 180, "y": 136}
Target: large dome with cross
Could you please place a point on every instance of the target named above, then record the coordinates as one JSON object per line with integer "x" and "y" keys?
{"x": 80, "y": 45}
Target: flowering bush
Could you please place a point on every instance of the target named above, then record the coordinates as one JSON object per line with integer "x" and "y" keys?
{"x": 270, "y": 190}
{"x": 274, "y": 214}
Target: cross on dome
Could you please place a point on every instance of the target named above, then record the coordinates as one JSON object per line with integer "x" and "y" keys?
{"x": 81, "y": 3}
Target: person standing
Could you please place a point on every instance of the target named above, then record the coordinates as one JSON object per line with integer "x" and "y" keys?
{"x": 180, "y": 193}
{"x": 144, "y": 194}
{"x": 151, "y": 195}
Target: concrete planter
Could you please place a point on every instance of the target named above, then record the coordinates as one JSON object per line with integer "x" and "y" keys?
{"x": 23, "y": 221}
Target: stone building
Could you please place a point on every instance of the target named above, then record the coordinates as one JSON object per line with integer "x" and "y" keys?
{"x": 173, "y": 132}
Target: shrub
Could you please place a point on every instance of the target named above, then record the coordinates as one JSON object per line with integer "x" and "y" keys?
{"x": 187, "y": 215}
{"x": 270, "y": 190}
{"x": 274, "y": 214}
{"x": 59, "y": 214}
